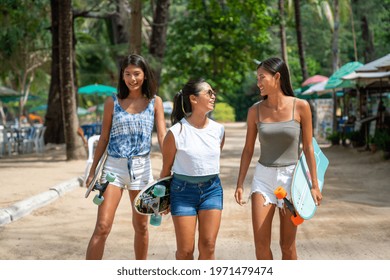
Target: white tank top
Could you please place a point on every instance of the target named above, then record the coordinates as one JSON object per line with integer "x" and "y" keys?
{"x": 198, "y": 150}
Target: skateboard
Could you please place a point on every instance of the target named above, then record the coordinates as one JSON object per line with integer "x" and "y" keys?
{"x": 153, "y": 200}
{"x": 302, "y": 206}
{"x": 95, "y": 185}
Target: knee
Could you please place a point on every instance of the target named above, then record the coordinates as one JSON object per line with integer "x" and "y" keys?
{"x": 207, "y": 246}
{"x": 185, "y": 254}
{"x": 140, "y": 227}
{"x": 102, "y": 229}
{"x": 288, "y": 249}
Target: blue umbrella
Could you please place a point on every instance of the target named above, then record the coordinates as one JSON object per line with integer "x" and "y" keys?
{"x": 97, "y": 89}
{"x": 335, "y": 80}
{"x": 80, "y": 111}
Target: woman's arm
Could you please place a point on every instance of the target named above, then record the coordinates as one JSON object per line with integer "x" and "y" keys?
{"x": 247, "y": 153}
{"x": 307, "y": 135}
{"x": 104, "y": 137}
{"x": 159, "y": 121}
{"x": 168, "y": 152}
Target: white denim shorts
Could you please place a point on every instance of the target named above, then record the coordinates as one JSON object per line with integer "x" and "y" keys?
{"x": 136, "y": 178}
{"x": 267, "y": 179}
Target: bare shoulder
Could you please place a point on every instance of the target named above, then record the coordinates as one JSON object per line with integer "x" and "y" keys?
{"x": 254, "y": 108}
{"x": 302, "y": 105}
{"x": 109, "y": 102}
{"x": 157, "y": 99}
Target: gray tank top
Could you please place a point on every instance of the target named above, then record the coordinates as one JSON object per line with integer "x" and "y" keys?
{"x": 279, "y": 141}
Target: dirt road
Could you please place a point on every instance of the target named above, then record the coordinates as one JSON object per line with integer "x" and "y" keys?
{"x": 352, "y": 223}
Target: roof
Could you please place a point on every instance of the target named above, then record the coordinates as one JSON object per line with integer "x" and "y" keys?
{"x": 381, "y": 64}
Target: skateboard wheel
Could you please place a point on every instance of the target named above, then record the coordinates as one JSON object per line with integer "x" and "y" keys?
{"x": 159, "y": 190}
{"x": 155, "y": 220}
{"x": 297, "y": 220}
{"x": 98, "y": 200}
{"x": 110, "y": 177}
{"x": 280, "y": 192}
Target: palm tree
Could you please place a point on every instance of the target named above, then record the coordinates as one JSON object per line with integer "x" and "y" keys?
{"x": 298, "y": 29}
{"x": 74, "y": 145}
{"x": 282, "y": 31}
{"x": 136, "y": 27}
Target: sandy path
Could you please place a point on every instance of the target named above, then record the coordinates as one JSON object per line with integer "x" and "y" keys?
{"x": 352, "y": 223}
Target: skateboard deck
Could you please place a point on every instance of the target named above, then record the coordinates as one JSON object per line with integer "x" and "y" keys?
{"x": 153, "y": 199}
{"x": 98, "y": 174}
{"x": 301, "y": 183}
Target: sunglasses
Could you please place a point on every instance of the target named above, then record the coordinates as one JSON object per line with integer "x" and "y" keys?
{"x": 210, "y": 93}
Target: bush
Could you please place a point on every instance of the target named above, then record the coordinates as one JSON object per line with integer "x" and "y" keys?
{"x": 223, "y": 112}
{"x": 382, "y": 139}
{"x": 334, "y": 137}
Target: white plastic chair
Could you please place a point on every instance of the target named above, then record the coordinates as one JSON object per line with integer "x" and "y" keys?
{"x": 91, "y": 145}
{"x": 39, "y": 140}
{"x": 5, "y": 144}
{"x": 28, "y": 141}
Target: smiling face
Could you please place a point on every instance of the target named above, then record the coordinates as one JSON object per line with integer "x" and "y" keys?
{"x": 134, "y": 77}
{"x": 206, "y": 96}
{"x": 266, "y": 82}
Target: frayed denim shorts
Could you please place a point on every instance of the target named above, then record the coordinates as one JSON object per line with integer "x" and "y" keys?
{"x": 130, "y": 177}
{"x": 267, "y": 179}
{"x": 187, "y": 199}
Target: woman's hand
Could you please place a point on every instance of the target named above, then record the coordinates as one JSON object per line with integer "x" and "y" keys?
{"x": 89, "y": 178}
{"x": 317, "y": 196}
{"x": 239, "y": 194}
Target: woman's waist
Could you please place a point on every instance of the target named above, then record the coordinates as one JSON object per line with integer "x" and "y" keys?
{"x": 196, "y": 181}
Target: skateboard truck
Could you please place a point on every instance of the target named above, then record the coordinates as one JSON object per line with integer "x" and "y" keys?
{"x": 281, "y": 193}
{"x": 155, "y": 218}
{"x": 98, "y": 199}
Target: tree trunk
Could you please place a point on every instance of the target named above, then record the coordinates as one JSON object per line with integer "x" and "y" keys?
{"x": 74, "y": 144}
{"x": 53, "y": 119}
{"x": 298, "y": 28}
{"x": 136, "y": 27}
{"x": 353, "y": 31}
{"x": 368, "y": 40}
{"x": 282, "y": 31}
{"x": 159, "y": 35}
{"x": 335, "y": 37}
{"x": 119, "y": 25}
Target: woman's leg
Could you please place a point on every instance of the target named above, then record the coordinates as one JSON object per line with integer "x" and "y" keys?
{"x": 288, "y": 233}
{"x": 105, "y": 218}
{"x": 262, "y": 223}
{"x": 185, "y": 236}
{"x": 209, "y": 222}
{"x": 141, "y": 233}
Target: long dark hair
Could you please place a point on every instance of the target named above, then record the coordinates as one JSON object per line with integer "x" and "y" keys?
{"x": 149, "y": 86}
{"x": 274, "y": 65}
{"x": 181, "y": 102}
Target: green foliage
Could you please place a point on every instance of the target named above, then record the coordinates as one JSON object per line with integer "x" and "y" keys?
{"x": 334, "y": 137}
{"x": 218, "y": 42}
{"x": 223, "y": 113}
{"x": 24, "y": 38}
{"x": 382, "y": 139}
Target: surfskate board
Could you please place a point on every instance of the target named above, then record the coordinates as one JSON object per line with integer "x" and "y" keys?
{"x": 302, "y": 205}
{"x": 95, "y": 185}
{"x": 154, "y": 199}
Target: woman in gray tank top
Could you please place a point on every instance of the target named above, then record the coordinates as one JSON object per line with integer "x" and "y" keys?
{"x": 282, "y": 123}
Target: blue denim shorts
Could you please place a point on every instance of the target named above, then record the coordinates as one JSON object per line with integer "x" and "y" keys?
{"x": 189, "y": 198}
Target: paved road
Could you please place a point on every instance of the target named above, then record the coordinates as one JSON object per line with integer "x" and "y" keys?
{"x": 352, "y": 223}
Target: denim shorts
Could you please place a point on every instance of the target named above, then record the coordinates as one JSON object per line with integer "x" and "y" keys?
{"x": 135, "y": 179}
{"x": 187, "y": 199}
{"x": 267, "y": 179}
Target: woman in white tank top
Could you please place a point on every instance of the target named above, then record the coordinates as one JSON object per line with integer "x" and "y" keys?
{"x": 191, "y": 151}
{"x": 282, "y": 122}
